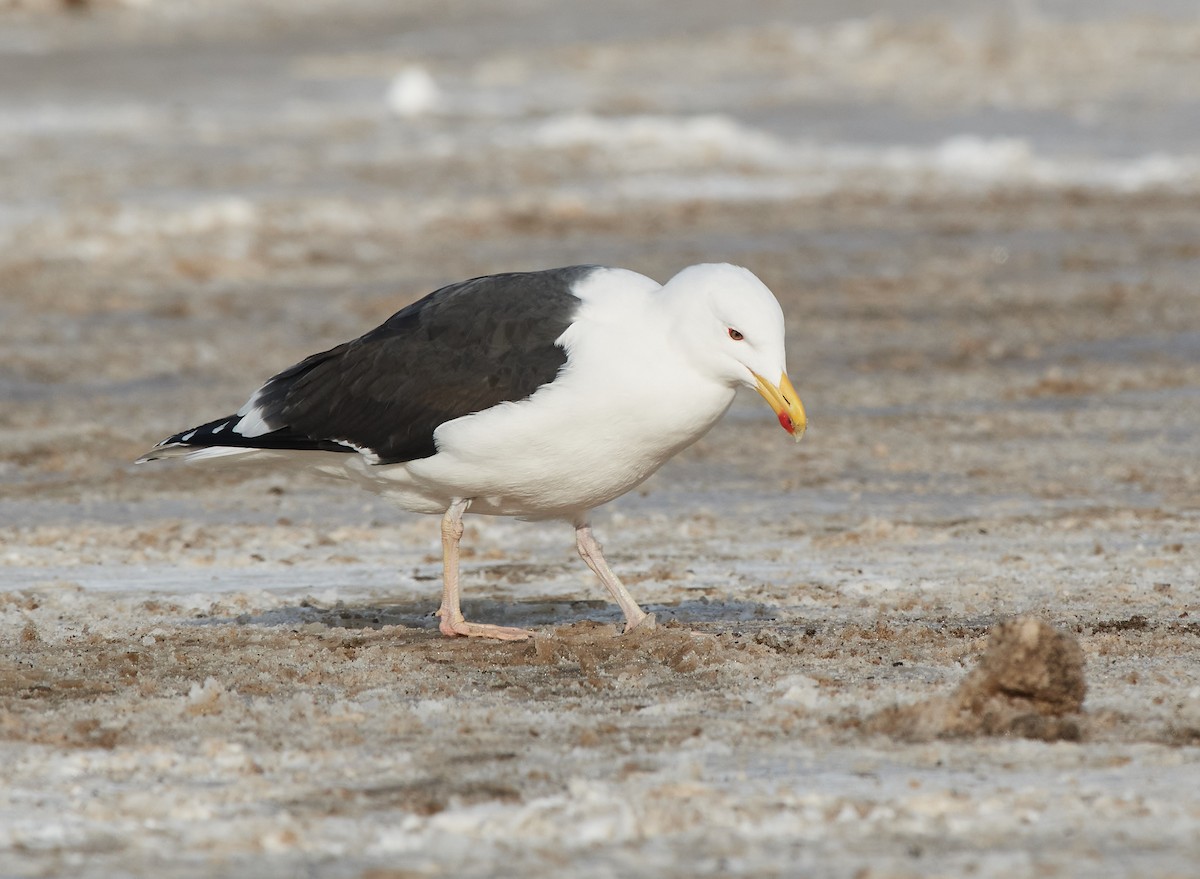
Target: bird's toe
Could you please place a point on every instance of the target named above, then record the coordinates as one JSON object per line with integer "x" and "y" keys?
{"x": 463, "y": 629}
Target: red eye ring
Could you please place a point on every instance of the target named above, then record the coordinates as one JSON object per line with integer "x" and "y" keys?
{"x": 735, "y": 335}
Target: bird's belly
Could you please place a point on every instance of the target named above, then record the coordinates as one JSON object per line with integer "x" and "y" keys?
{"x": 543, "y": 462}
{"x": 547, "y": 485}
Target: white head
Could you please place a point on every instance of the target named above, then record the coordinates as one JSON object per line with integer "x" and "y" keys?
{"x": 732, "y": 327}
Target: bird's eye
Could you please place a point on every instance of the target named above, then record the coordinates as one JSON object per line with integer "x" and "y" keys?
{"x": 735, "y": 335}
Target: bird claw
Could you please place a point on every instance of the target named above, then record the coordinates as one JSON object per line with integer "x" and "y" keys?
{"x": 463, "y": 629}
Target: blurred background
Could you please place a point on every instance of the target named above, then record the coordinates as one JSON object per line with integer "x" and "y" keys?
{"x": 982, "y": 220}
{"x": 231, "y": 115}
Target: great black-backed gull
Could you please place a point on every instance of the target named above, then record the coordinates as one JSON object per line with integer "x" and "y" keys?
{"x": 539, "y": 394}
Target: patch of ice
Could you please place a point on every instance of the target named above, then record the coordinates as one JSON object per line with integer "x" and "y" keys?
{"x": 706, "y": 136}
{"x": 205, "y": 698}
{"x": 873, "y": 586}
{"x": 59, "y": 119}
{"x": 971, "y": 156}
{"x": 413, "y": 92}
{"x": 595, "y": 812}
{"x": 799, "y": 690}
{"x": 203, "y": 217}
{"x": 404, "y": 837}
{"x": 427, "y": 708}
{"x": 669, "y": 708}
{"x": 718, "y": 157}
{"x": 1188, "y": 717}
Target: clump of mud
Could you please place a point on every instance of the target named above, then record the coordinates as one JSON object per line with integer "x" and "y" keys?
{"x": 1029, "y": 683}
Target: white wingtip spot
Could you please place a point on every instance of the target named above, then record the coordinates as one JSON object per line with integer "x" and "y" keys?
{"x": 251, "y": 424}
{"x": 250, "y": 421}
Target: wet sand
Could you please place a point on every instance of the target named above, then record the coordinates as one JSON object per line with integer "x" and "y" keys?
{"x": 237, "y": 672}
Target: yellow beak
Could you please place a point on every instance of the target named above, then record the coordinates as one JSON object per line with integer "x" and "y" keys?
{"x": 786, "y": 403}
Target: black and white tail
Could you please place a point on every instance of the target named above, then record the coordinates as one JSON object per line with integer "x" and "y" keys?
{"x": 246, "y": 431}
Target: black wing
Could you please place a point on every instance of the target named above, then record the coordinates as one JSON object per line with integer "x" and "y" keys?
{"x": 461, "y": 349}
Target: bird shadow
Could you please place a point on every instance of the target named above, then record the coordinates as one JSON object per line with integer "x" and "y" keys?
{"x": 526, "y": 613}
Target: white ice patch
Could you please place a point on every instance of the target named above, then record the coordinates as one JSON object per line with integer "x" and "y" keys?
{"x": 413, "y": 92}
{"x": 799, "y": 690}
{"x": 659, "y": 157}
{"x": 219, "y": 215}
{"x": 653, "y": 138}
{"x": 596, "y": 813}
{"x": 61, "y": 120}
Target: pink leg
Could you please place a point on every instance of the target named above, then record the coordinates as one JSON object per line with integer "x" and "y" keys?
{"x": 589, "y": 551}
{"x": 453, "y": 624}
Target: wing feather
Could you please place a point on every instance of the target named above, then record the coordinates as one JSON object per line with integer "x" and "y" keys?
{"x": 462, "y": 349}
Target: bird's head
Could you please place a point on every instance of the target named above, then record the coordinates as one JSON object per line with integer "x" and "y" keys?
{"x": 735, "y": 331}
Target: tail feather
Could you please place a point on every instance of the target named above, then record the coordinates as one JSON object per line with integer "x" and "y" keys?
{"x": 222, "y": 438}
{"x": 192, "y": 453}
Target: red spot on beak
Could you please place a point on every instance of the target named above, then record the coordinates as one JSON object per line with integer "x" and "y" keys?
{"x": 785, "y": 421}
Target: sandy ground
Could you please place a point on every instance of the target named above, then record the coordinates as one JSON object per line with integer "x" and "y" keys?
{"x": 217, "y": 672}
